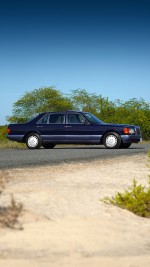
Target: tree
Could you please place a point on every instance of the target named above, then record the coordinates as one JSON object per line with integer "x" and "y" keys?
{"x": 39, "y": 100}
{"x": 91, "y": 102}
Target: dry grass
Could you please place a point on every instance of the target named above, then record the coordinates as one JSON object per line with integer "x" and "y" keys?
{"x": 9, "y": 215}
{"x": 11, "y": 145}
{"x": 3, "y": 181}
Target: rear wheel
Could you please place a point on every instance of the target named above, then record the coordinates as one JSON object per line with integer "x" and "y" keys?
{"x": 48, "y": 146}
{"x": 33, "y": 141}
{"x": 112, "y": 140}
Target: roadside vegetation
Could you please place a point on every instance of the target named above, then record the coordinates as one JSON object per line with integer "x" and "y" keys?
{"x": 9, "y": 214}
{"x": 135, "y": 199}
{"x": 5, "y": 143}
{"x": 134, "y": 111}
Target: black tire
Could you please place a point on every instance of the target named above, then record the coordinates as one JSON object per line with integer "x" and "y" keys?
{"x": 125, "y": 145}
{"x": 112, "y": 140}
{"x": 48, "y": 146}
{"x": 33, "y": 141}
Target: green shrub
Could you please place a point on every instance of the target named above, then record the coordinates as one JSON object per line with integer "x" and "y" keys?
{"x": 135, "y": 199}
{"x": 3, "y": 132}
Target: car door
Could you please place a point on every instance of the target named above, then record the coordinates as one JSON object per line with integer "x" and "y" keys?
{"x": 51, "y": 128}
{"x": 78, "y": 129}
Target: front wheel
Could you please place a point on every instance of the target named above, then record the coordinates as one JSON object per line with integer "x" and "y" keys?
{"x": 33, "y": 141}
{"x": 112, "y": 140}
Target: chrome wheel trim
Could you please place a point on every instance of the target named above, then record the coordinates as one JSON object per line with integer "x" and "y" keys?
{"x": 33, "y": 141}
{"x": 111, "y": 141}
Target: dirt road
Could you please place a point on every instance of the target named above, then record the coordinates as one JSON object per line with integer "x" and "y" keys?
{"x": 66, "y": 224}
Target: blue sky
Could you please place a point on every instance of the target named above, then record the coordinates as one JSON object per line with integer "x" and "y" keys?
{"x": 101, "y": 46}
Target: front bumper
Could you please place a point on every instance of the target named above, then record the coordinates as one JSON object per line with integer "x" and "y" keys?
{"x": 131, "y": 138}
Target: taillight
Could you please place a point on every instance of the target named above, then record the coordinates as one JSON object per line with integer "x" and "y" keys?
{"x": 8, "y": 131}
{"x": 128, "y": 130}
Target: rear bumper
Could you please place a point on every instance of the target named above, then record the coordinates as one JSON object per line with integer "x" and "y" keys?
{"x": 131, "y": 138}
{"x": 17, "y": 138}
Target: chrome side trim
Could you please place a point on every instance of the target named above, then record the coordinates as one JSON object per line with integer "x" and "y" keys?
{"x": 61, "y": 135}
{"x": 97, "y": 135}
{"x": 71, "y": 135}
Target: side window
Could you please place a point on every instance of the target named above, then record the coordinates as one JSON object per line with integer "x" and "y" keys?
{"x": 44, "y": 119}
{"x": 75, "y": 118}
{"x": 57, "y": 118}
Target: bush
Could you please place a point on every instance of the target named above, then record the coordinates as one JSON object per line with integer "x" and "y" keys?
{"x": 136, "y": 199}
{"x": 3, "y": 132}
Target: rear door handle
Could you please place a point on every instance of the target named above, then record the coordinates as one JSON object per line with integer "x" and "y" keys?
{"x": 40, "y": 126}
{"x": 67, "y": 126}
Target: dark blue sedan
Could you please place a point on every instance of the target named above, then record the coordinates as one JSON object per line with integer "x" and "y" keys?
{"x": 72, "y": 127}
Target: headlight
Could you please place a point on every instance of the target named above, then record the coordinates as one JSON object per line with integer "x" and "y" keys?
{"x": 128, "y": 130}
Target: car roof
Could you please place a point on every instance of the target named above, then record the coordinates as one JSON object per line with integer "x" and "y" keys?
{"x": 66, "y": 111}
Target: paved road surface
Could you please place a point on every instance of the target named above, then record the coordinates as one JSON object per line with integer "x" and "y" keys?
{"x": 12, "y": 158}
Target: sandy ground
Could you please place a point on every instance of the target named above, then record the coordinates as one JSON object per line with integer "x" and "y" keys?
{"x": 65, "y": 223}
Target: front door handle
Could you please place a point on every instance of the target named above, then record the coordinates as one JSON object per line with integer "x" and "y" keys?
{"x": 40, "y": 126}
{"x": 67, "y": 126}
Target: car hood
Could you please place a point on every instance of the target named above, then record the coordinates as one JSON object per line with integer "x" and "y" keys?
{"x": 120, "y": 125}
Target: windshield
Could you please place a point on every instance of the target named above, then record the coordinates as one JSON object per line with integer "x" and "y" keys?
{"x": 92, "y": 119}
